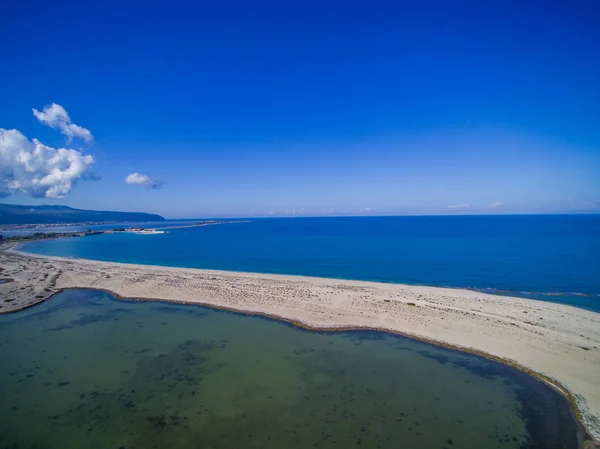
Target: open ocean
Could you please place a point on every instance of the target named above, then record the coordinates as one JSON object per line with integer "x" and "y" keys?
{"x": 549, "y": 257}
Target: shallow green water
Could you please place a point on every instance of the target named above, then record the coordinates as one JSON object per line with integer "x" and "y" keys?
{"x": 86, "y": 370}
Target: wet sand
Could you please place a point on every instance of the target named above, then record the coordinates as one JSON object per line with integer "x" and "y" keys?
{"x": 556, "y": 343}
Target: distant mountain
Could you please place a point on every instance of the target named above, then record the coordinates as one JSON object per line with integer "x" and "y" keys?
{"x": 13, "y": 214}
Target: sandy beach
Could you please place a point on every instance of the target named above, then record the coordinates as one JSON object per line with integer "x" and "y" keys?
{"x": 557, "y": 343}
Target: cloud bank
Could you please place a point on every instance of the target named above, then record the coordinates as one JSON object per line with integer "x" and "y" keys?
{"x": 494, "y": 205}
{"x": 37, "y": 169}
{"x": 589, "y": 206}
{"x": 460, "y": 206}
{"x": 143, "y": 180}
{"x": 57, "y": 117}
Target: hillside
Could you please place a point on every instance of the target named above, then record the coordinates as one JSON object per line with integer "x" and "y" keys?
{"x": 14, "y": 214}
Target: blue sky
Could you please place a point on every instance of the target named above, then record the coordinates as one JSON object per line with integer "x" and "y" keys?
{"x": 304, "y": 108}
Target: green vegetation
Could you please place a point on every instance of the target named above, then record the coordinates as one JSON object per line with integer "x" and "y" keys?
{"x": 39, "y": 236}
{"x": 11, "y": 214}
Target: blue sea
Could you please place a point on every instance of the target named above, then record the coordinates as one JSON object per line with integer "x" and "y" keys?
{"x": 549, "y": 257}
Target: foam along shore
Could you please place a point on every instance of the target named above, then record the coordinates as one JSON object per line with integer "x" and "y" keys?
{"x": 557, "y": 343}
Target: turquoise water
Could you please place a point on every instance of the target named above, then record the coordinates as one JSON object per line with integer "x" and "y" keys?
{"x": 85, "y": 370}
{"x": 549, "y": 257}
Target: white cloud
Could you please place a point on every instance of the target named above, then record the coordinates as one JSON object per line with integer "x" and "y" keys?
{"x": 494, "y": 205}
{"x": 57, "y": 117}
{"x": 37, "y": 169}
{"x": 460, "y": 206}
{"x": 143, "y": 180}
{"x": 137, "y": 178}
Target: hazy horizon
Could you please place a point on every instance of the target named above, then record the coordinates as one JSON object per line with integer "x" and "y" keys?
{"x": 299, "y": 214}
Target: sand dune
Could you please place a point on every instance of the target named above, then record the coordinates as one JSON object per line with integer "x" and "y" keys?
{"x": 557, "y": 343}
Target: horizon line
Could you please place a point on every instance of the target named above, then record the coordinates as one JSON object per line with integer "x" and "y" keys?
{"x": 383, "y": 215}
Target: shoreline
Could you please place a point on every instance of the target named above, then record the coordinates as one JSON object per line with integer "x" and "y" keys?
{"x": 482, "y": 324}
{"x": 527, "y": 295}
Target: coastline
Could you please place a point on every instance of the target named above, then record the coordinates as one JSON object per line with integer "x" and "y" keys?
{"x": 555, "y": 343}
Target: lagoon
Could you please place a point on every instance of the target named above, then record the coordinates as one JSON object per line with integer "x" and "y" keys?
{"x": 85, "y": 367}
